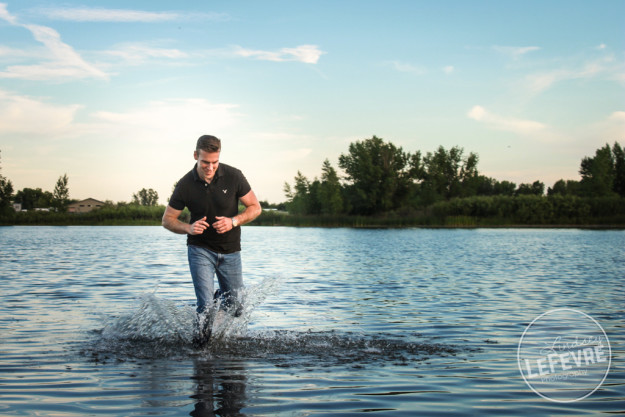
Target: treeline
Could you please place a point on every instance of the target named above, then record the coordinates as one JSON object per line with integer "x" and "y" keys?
{"x": 58, "y": 200}
{"x": 383, "y": 186}
{"x": 531, "y": 210}
{"x": 110, "y": 214}
{"x": 6, "y": 194}
{"x": 382, "y": 180}
{"x": 143, "y": 208}
{"x": 33, "y": 198}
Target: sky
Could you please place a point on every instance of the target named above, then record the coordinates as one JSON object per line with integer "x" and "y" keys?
{"x": 115, "y": 93}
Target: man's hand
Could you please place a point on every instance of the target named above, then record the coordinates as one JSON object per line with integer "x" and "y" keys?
{"x": 198, "y": 227}
{"x": 223, "y": 224}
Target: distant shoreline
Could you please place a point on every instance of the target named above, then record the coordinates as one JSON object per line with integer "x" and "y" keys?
{"x": 344, "y": 226}
{"x": 476, "y": 212}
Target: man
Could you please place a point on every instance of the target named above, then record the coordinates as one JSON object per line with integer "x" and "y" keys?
{"x": 211, "y": 191}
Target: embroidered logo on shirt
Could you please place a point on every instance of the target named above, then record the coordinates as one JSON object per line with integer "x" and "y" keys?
{"x": 225, "y": 191}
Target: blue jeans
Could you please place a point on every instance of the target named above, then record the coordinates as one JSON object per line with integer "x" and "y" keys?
{"x": 204, "y": 265}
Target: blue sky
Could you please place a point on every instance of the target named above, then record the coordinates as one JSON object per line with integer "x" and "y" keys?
{"x": 115, "y": 93}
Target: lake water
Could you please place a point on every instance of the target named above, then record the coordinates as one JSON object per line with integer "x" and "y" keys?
{"x": 98, "y": 321}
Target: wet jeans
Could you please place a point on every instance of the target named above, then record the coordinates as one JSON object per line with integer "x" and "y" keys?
{"x": 204, "y": 265}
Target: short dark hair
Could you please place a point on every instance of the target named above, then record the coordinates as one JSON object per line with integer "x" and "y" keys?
{"x": 208, "y": 143}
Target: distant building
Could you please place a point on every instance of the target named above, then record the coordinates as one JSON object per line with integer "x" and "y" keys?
{"x": 17, "y": 206}
{"x": 84, "y": 206}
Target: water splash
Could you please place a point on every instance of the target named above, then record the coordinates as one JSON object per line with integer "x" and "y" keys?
{"x": 328, "y": 348}
{"x": 159, "y": 327}
{"x": 156, "y": 327}
{"x": 155, "y": 319}
{"x": 225, "y": 326}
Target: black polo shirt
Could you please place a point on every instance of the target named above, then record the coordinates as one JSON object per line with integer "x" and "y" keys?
{"x": 219, "y": 198}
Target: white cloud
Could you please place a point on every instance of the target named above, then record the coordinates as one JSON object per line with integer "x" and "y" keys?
{"x": 515, "y": 51}
{"x": 28, "y": 115}
{"x": 308, "y": 54}
{"x": 7, "y": 53}
{"x": 280, "y": 137}
{"x": 158, "y": 121}
{"x": 618, "y": 116}
{"x": 405, "y": 67}
{"x": 613, "y": 128}
{"x": 59, "y": 61}
{"x": 293, "y": 154}
{"x": 510, "y": 124}
{"x": 448, "y": 69}
{"x": 608, "y": 130}
{"x": 540, "y": 82}
{"x": 97, "y": 14}
{"x": 606, "y": 66}
{"x": 477, "y": 113}
{"x": 167, "y": 119}
{"x": 85, "y": 14}
{"x": 137, "y": 54}
{"x": 5, "y": 15}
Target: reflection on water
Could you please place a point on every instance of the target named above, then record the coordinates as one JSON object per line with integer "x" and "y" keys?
{"x": 99, "y": 320}
{"x": 220, "y": 388}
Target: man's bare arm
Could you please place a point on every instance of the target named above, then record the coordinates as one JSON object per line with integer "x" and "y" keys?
{"x": 252, "y": 208}
{"x": 252, "y": 211}
{"x": 170, "y": 222}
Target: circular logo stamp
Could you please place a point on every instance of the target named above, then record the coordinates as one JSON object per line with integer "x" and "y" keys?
{"x": 564, "y": 355}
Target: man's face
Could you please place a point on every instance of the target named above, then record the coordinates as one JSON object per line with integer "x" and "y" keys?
{"x": 207, "y": 163}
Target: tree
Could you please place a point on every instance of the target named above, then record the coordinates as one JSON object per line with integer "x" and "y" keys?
{"x": 313, "y": 201}
{"x": 298, "y": 197}
{"x": 558, "y": 188}
{"x": 562, "y": 187}
{"x": 31, "y": 198}
{"x": 61, "y": 194}
{"x": 6, "y": 192}
{"x": 505, "y": 188}
{"x": 490, "y": 186}
{"x": 485, "y": 185}
{"x": 317, "y": 197}
{"x": 447, "y": 174}
{"x": 598, "y": 173}
{"x": 535, "y": 188}
{"x": 619, "y": 169}
{"x": 145, "y": 197}
{"x": 265, "y": 204}
{"x": 378, "y": 175}
{"x": 330, "y": 192}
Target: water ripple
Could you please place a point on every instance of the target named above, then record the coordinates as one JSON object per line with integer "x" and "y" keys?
{"x": 100, "y": 320}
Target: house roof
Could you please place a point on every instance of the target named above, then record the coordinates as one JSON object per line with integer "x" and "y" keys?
{"x": 87, "y": 200}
